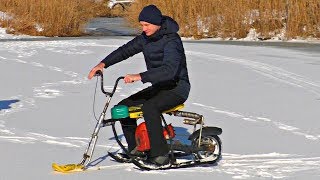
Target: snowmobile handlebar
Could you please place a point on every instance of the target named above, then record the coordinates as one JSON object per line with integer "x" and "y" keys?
{"x": 99, "y": 73}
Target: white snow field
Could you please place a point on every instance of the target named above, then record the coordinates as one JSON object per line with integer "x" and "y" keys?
{"x": 266, "y": 99}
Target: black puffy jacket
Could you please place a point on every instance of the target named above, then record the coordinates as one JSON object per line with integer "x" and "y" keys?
{"x": 164, "y": 56}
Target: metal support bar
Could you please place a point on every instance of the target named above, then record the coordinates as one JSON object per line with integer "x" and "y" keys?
{"x": 200, "y": 135}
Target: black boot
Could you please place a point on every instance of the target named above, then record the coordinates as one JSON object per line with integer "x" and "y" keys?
{"x": 160, "y": 160}
{"x": 136, "y": 153}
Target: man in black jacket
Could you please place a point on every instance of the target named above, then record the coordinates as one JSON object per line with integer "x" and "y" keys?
{"x": 166, "y": 71}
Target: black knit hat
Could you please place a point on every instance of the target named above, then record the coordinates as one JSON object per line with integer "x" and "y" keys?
{"x": 151, "y": 14}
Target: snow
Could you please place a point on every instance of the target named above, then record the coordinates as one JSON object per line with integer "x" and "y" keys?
{"x": 3, "y": 35}
{"x": 265, "y": 98}
{"x": 5, "y": 16}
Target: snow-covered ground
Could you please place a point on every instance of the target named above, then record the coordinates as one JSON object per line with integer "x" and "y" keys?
{"x": 3, "y": 34}
{"x": 266, "y": 100}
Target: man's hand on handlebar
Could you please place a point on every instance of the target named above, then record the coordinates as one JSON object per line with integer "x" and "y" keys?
{"x": 94, "y": 70}
{"x": 130, "y": 78}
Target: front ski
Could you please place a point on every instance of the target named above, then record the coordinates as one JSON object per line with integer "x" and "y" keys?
{"x": 120, "y": 157}
{"x": 68, "y": 168}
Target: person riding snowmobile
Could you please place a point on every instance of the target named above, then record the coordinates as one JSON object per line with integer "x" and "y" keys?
{"x": 167, "y": 72}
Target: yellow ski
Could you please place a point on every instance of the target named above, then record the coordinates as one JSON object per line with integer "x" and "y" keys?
{"x": 68, "y": 168}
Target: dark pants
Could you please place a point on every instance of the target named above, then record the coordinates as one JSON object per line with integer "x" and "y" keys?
{"x": 155, "y": 101}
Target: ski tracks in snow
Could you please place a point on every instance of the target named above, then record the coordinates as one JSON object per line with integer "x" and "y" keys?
{"x": 270, "y": 166}
{"x": 45, "y": 90}
{"x": 21, "y": 50}
{"x": 273, "y": 165}
{"x": 273, "y": 72}
{"x": 255, "y": 119}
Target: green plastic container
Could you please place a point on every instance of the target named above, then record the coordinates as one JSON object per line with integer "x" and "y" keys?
{"x": 119, "y": 111}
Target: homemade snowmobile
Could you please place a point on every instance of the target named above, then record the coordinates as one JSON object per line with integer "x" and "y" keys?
{"x": 204, "y": 145}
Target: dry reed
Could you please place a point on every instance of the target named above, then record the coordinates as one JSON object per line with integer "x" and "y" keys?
{"x": 234, "y": 18}
{"x": 197, "y": 18}
{"x": 49, "y": 17}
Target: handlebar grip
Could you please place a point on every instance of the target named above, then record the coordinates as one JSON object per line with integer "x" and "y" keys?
{"x": 98, "y": 73}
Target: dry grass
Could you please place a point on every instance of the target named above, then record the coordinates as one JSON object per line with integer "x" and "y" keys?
{"x": 234, "y": 18}
{"x": 197, "y": 18}
{"x": 50, "y": 17}
{"x": 304, "y": 18}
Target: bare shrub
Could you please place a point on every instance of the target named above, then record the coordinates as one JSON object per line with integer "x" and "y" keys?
{"x": 50, "y": 18}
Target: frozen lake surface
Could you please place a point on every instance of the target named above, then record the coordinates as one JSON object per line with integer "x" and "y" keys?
{"x": 265, "y": 98}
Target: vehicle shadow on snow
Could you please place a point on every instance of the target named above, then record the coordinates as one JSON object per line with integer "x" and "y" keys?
{"x": 102, "y": 158}
{"x": 6, "y": 104}
{"x": 98, "y": 160}
{"x": 182, "y": 134}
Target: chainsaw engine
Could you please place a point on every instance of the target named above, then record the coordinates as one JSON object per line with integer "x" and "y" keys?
{"x": 142, "y": 137}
